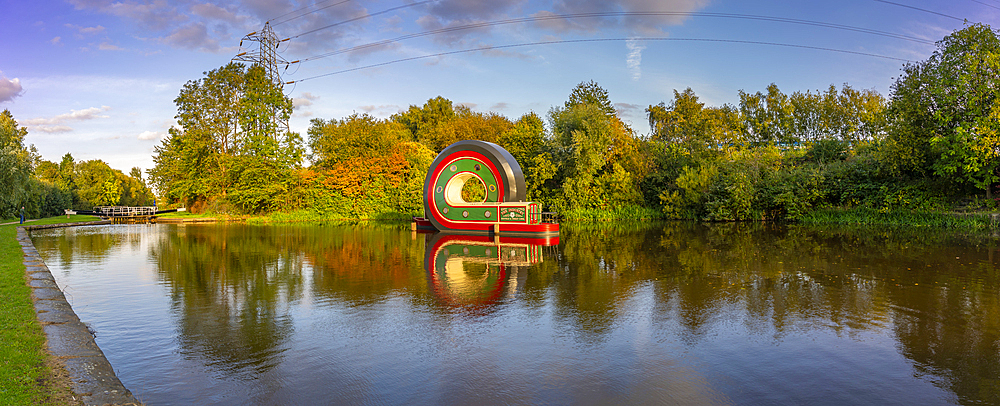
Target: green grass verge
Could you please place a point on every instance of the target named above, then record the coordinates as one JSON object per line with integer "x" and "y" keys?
{"x": 870, "y": 217}
{"x": 311, "y": 215}
{"x": 22, "y": 353}
{"x": 627, "y": 212}
{"x": 185, "y": 214}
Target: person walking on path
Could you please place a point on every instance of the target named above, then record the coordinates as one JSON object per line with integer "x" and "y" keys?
{"x": 22, "y": 214}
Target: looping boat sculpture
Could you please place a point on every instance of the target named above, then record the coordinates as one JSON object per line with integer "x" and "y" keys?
{"x": 503, "y": 210}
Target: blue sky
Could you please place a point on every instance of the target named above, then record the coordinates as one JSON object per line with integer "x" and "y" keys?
{"x": 97, "y": 78}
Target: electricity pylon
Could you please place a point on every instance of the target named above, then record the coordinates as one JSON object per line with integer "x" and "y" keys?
{"x": 266, "y": 55}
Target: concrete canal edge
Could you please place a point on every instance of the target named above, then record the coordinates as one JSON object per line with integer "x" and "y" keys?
{"x": 92, "y": 377}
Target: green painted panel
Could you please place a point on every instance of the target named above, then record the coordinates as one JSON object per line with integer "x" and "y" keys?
{"x": 492, "y": 191}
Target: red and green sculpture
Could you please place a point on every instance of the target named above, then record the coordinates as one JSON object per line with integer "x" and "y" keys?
{"x": 503, "y": 210}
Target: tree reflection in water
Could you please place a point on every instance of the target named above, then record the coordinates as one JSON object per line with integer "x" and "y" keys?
{"x": 231, "y": 288}
{"x": 235, "y": 288}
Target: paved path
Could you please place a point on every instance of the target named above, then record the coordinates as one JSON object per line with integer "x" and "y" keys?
{"x": 16, "y": 222}
{"x": 92, "y": 377}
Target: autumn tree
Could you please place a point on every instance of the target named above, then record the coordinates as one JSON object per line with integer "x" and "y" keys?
{"x": 356, "y": 136}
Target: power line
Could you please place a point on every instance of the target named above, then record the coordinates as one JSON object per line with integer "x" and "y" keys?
{"x": 600, "y": 40}
{"x": 362, "y": 17}
{"x": 615, "y": 14}
{"x": 298, "y": 10}
{"x": 921, "y": 9}
{"x": 266, "y": 54}
{"x": 987, "y": 5}
{"x": 305, "y": 14}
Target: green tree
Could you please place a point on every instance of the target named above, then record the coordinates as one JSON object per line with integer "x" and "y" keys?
{"x": 688, "y": 122}
{"x": 768, "y": 117}
{"x": 600, "y": 162}
{"x": 421, "y": 120}
{"x": 593, "y": 94}
{"x": 230, "y": 140}
{"x": 98, "y": 184}
{"x": 526, "y": 142}
{"x": 681, "y": 122}
{"x": 135, "y": 192}
{"x": 945, "y": 111}
{"x": 15, "y": 166}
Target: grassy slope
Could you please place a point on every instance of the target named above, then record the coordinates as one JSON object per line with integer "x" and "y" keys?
{"x": 22, "y": 354}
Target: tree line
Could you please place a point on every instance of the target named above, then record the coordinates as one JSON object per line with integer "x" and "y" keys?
{"x": 46, "y": 188}
{"x": 931, "y": 143}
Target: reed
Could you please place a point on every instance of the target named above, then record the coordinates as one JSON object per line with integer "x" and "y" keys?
{"x": 865, "y": 216}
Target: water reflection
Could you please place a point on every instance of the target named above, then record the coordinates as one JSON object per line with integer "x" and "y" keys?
{"x": 231, "y": 290}
{"x": 634, "y": 312}
{"x": 471, "y": 271}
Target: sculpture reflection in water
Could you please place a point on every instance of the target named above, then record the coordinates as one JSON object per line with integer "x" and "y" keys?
{"x": 477, "y": 271}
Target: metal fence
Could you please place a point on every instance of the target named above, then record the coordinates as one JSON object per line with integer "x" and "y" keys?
{"x": 125, "y": 211}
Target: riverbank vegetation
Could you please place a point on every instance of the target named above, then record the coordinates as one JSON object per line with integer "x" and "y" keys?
{"x": 26, "y": 378}
{"x": 46, "y": 188}
{"x": 931, "y": 146}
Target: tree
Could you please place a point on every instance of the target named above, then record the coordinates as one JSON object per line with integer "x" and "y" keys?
{"x": 466, "y": 125}
{"x": 15, "y": 166}
{"x": 768, "y": 117}
{"x": 527, "y": 144}
{"x": 945, "y": 111}
{"x": 590, "y": 93}
{"x": 229, "y": 141}
{"x": 421, "y": 120}
{"x": 599, "y": 155}
{"x": 356, "y": 136}
{"x": 98, "y": 184}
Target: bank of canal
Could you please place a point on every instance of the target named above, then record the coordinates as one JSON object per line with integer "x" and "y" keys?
{"x": 621, "y": 312}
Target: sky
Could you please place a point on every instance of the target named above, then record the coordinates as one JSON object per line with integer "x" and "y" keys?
{"x": 97, "y": 78}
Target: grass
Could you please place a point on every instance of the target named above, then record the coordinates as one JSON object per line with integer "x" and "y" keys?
{"x": 627, "y": 212}
{"x": 23, "y": 372}
{"x": 185, "y": 214}
{"x": 870, "y": 217}
{"x": 312, "y": 215}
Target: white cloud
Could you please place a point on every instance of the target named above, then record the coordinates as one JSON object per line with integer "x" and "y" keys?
{"x": 9, "y": 89}
{"x": 151, "y": 135}
{"x": 641, "y": 25}
{"x": 193, "y": 36}
{"x": 381, "y": 110}
{"x": 305, "y": 99}
{"x": 628, "y": 109}
{"x": 634, "y": 58}
{"x": 85, "y": 30}
{"x": 57, "y": 124}
{"x": 56, "y": 41}
{"x": 104, "y": 46}
{"x": 214, "y": 12}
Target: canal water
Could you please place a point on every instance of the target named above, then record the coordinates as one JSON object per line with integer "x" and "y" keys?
{"x": 611, "y": 313}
